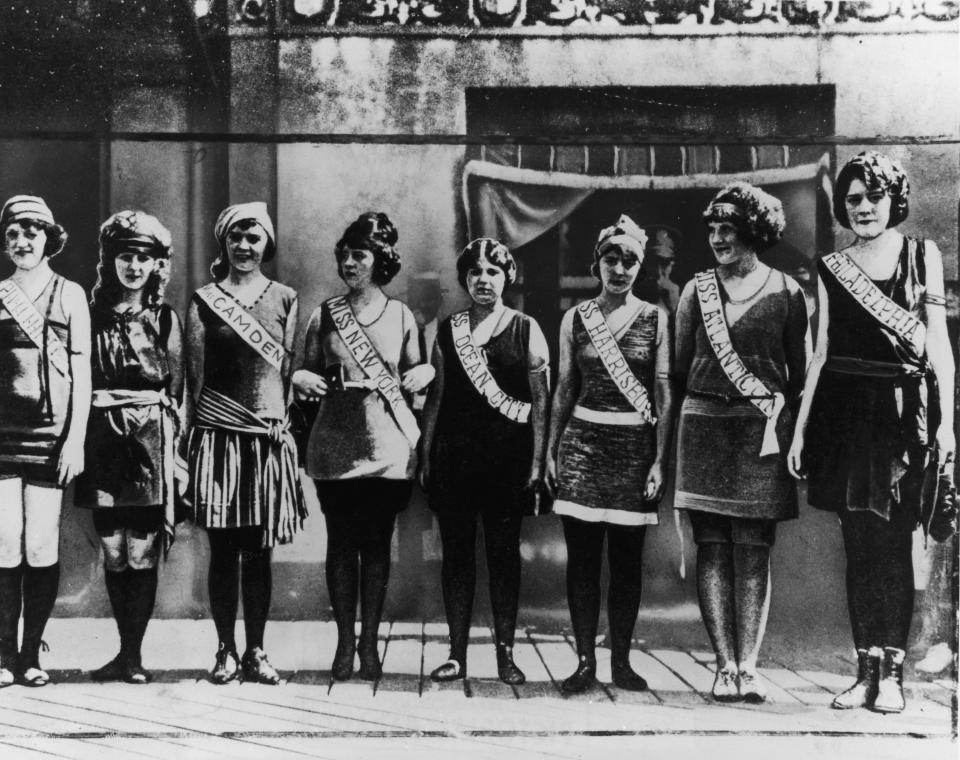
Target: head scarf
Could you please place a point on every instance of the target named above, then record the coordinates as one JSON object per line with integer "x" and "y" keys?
{"x": 26, "y": 207}
{"x": 625, "y": 235}
{"x": 255, "y": 211}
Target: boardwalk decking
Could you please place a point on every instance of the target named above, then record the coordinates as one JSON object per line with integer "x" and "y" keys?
{"x": 404, "y": 714}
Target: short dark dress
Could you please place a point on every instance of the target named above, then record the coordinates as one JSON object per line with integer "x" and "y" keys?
{"x": 125, "y": 446}
{"x": 34, "y": 396}
{"x": 602, "y": 467}
{"x": 866, "y": 440}
{"x": 481, "y": 459}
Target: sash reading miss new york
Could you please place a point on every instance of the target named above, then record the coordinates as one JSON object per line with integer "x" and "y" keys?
{"x": 479, "y": 374}
{"x": 748, "y": 384}
{"x": 359, "y": 345}
{"x": 614, "y": 361}
{"x": 888, "y": 313}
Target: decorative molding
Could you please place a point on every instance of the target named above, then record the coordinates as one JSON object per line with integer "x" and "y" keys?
{"x": 582, "y": 15}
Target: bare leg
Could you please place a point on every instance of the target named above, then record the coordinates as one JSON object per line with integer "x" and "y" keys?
{"x": 715, "y": 590}
{"x": 752, "y": 585}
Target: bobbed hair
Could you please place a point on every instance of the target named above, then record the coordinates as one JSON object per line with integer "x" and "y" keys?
{"x": 372, "y": 231}
{"x": 56, "y": 235}
{"x": 877, "y": 172}
{"x": 494, "y": 251}
{"x": 755, "y": 214}
{"x": 131, "y": 231}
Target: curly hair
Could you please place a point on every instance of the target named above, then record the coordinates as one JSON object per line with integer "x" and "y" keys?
{"x": 755, "y": 214}
{"x": 372, "y": 231}
{"x": 493, "y": 251}
{"x": 877, "y": 172}
{"x": 131, "y": 232}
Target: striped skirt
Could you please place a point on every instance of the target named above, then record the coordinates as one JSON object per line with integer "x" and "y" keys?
{"x": 243, "y": 471}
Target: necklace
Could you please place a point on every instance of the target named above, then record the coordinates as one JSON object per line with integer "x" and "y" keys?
{"x": 754, "y": 294}
{"x": 386, "y": 303}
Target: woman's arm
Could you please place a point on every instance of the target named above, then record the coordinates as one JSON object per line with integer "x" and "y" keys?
{"x": 431, "y": 410}
{"x": 70, "y": 463}
{"x": 564, "y": 397}
{"x": 938, "y": 352}
{"x": 663, "y": 398}
{"x": 289, "y": 340}
{"x": 538, "y": 376}
{"x": 195, "y": 340}
{"x": 174, "y": 348}
{"x": 308, "y": 382}
{"x": 795, "y": 456}
{"x": 688, "y": 319}
{"x": 797, "y": 345}
{"x": 415, "y": 375}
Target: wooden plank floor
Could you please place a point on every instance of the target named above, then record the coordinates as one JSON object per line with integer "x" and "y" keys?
{"x": 309, "y": 714}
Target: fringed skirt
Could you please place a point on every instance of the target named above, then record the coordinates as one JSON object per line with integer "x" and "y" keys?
{"x": 244, "y": 479}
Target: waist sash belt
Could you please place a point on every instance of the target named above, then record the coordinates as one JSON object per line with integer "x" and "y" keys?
{"x": 477, "y": 371}
{"x": 173, "y": 468}
{"x": 749, "y": 385}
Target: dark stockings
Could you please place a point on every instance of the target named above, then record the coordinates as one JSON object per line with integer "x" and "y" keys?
{"x": 501, "y": 533}
{"x": 879, "y": 579}
{"x": 40, "y": 586}
{"x": 132, "y": 596}
{"x": 584, "y": 555}
{"x": 11, "y": 601}
{"x": 237, "y": 558}
{"x": 358, "y": 548}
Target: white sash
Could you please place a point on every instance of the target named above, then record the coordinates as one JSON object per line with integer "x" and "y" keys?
{"x": 33, "y": 324}
{"x": 887, "y": 312}
{"x": 479, "y": 374}
{"x": 359, "y": 345}
{"x": 243, "y": 324}
{"x": 749, "y": 385}
{"x": 613, "y": 360}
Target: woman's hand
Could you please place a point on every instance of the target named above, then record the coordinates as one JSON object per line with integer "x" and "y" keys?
{"x": 795, "y": 457}
{"x": 946, "y": 447}
{"x": 70, "y": 463}
{"x": 308, "y": 386}
{"x": 417, "y": 378}
{"x": 655, "y": 482}
{"x": 550, "y": 476}
{"x": 423, "y": 473}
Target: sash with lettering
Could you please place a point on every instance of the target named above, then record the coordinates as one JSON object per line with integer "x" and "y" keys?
{"x": 33, "y": 324}
{"x": 359, "y": 345}
{"x": 479, "y": 373}
{"x": 893, "y": 317}
{"x": 614, "y": 361}
{"x": 243, "y": 323}
{"x": 750, "y": 386}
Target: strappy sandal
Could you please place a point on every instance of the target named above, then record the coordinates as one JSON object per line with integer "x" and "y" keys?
{"x": 31, "y": 674}
{"x": 222, "y": 673}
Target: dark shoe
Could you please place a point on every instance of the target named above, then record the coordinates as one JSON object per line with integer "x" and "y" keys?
{"x": 112, "y": 671}
{"x": 342, "y": 667}
{"x": 626, "y": 678}
{"x": 507, "y": 669}
{"x": 583, "y": 677}
{"x": 226, "y": 668}
{"x": 451, "y": 670}
{"x": 257, "y": 668}
{"x": 864, "y": 691}
{"x": 725, "y": 687}
{"x": 370, "y": 669}
{"x": 890, "y": 685}
{"x": 752, "y": 688}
